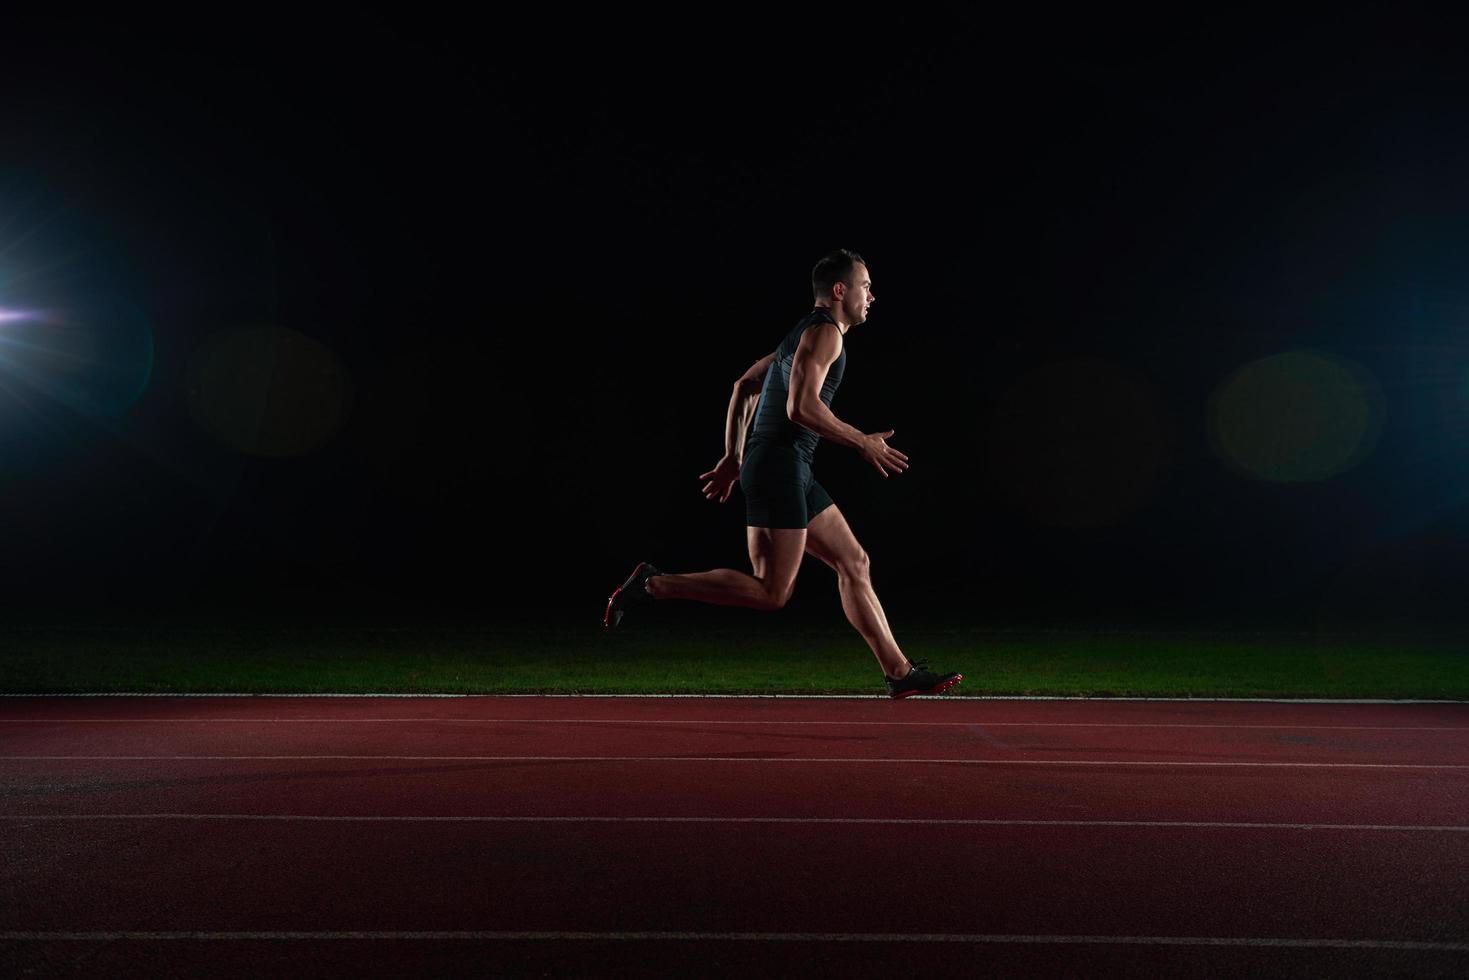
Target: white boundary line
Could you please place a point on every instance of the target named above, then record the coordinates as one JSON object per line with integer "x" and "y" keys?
{"x": 772, "y": 723}
{"x": 705, "y": 759}
{"x": 744, "y": 697}
{"x": 758, "y": 937}
{"x": 882, "y": 821}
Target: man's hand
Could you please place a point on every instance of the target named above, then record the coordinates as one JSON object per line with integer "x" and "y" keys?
{"x": 721, "y": 479}
{"x": 876, "y": 451}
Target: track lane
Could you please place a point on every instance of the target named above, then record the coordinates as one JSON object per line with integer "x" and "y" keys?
{"x": 770, "y": 740}
{"x": 698, "y": 789}
{"x": 224, "y": 960}
{"x": 241, "y": 875}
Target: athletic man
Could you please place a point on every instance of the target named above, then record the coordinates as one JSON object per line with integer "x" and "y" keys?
{"x": 787, "y": 512}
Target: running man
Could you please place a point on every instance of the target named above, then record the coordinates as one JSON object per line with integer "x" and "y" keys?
{"x": 787, "y": 512}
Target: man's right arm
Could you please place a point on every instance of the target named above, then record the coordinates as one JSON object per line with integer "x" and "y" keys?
{"x": 818, "y": 350}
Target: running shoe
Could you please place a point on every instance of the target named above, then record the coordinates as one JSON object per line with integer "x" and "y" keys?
{"x": 632, "y": 593}
{"x": 921, "y": 680}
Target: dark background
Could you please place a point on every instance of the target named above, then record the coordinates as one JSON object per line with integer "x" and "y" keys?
{"x": 402, "y": 316}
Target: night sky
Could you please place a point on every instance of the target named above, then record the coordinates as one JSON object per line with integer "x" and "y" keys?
{"x": 408, "y": 316}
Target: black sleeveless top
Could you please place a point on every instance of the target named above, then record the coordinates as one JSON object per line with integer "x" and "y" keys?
{"x": 772, "y": 425}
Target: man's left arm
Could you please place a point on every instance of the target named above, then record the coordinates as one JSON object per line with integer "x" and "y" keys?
{"x": 742, "y": 403}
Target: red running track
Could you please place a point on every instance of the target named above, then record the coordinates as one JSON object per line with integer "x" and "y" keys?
{"x": 240, "y": 836}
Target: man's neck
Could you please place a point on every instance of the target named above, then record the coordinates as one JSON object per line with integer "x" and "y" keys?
{"x": 836, "y": 314}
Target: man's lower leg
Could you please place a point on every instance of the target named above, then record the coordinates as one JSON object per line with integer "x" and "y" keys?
{"x": 722, "y": 587}
{"x": 864, "y": 612}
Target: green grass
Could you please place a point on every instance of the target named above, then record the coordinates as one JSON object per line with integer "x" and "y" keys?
{"x": 1144, "y": 663}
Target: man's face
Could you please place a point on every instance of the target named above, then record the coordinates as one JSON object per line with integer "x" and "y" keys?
{"x": 856, "y": 294}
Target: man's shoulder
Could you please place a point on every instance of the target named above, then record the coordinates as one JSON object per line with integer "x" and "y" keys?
{"x": 822, "y": 337}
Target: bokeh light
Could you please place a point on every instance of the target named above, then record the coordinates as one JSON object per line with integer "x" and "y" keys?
{"x": 1079, "y": 444}
{"x": 269, "y": 391}
{"x": 1296, "y": 417}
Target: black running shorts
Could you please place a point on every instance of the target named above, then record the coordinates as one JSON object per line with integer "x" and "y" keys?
{"x": 779, "y": 488}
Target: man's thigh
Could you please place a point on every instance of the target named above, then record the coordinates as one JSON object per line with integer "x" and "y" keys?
{"x": 831, "y": 539}
{"x": 775, "y": 555}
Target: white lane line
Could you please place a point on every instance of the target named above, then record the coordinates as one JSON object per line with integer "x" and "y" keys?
{"x": 703, "y": 721}
{"x": 883, "y": 821}
{"x": 681, "y": 758}
{"x": 756, "y": 937}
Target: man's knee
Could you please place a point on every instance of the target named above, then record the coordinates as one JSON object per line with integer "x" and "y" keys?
{"x": 857, "y": 566}
{"x": 776, "y": 598}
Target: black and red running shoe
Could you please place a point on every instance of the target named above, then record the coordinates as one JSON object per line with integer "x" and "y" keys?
{"x": 920, "y": 680}
{"x": 630, "y": 594}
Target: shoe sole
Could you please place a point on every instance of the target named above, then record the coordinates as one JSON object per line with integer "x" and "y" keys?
{"x": 612, "y": 617}
{"x": 938, "y": 688}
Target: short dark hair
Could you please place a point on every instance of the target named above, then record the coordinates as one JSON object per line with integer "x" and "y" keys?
{"x": 834, "y": 267}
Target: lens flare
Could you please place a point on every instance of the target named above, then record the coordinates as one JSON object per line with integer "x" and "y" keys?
{"x": 95, "y": 357}
{"x": 1296, "y": 417}
{"x": 268, "y": 391}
